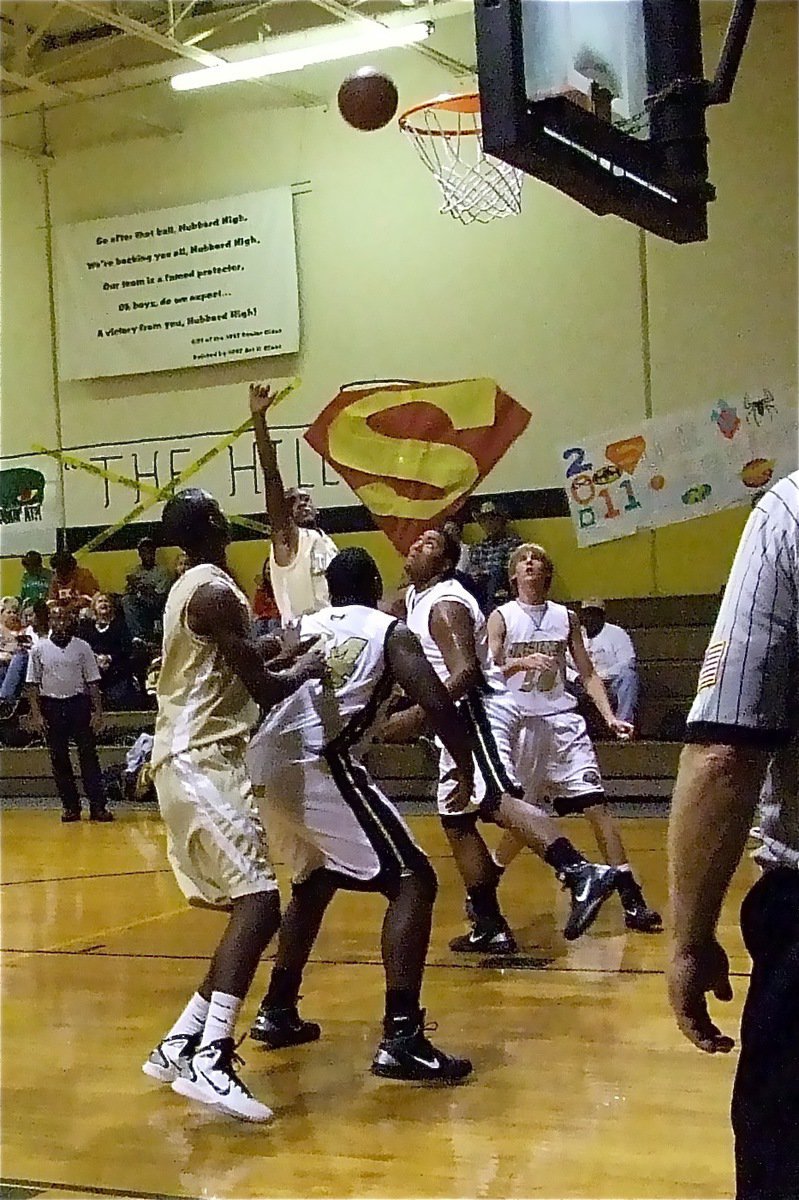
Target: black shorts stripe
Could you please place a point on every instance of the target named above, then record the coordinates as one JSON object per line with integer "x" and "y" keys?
{"x": 394, "y": 849}
{"x": 486, "y": 754}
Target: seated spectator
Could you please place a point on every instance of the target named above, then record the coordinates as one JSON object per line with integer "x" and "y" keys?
{"x": 454, "y": 527}
{"x": 264, "y": 605}
{"x": 146, "y": 593}
{"x": 35, "y": 579}
{"x": 10, "y": 632}
{"x": 109, "y": 637}
{"x": 612, "y": 652}
{"x": 181, "y": 564}
{"x": 63, "y": 679}
{"x": 71, "y": 587}
{"x": 489, "y": 558}
{"x": 35, "y": 625}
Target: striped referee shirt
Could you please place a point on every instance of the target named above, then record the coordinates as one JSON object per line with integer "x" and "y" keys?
{"x": 748, "y": 689}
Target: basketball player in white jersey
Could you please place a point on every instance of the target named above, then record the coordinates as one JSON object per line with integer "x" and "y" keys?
{"x": 452, "y": 630}
{"x": 529, "y": 638}
{"x": 338, "y": 830}
{"x": 301, "y": 552}
{"x": 211, "y": 683}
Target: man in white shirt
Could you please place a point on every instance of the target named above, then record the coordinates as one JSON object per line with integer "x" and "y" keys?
{"x": 301, "y": 552}
{"x": 64, "y": 688}
{"x": 612, "y": 652}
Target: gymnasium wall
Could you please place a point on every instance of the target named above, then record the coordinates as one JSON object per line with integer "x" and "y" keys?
{"x": 556, "y": 304}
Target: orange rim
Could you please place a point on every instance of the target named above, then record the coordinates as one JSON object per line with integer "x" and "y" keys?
{"x": 467, "y": 105}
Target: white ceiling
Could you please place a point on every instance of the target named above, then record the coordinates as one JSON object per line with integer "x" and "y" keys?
{"x": 58, "y": 58}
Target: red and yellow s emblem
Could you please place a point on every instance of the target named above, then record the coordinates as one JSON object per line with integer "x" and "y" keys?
{"x": 412, "y": 452}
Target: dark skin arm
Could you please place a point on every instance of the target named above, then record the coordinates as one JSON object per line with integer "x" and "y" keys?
{"x": 285, "y": 537}
{"x": 97, "y": 706}
{"x": 452, "y": 629}
{"x": 418, "y": 680}
{"x": 216, "y": 614}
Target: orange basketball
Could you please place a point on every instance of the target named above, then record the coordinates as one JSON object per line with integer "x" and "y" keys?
{"x": 368, "y": 99}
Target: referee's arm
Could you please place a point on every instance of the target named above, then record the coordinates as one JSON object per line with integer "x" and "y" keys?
{"x": 737, "y": 720}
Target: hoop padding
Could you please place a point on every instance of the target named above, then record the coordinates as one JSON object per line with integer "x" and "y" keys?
{"x": 447, "y": 134}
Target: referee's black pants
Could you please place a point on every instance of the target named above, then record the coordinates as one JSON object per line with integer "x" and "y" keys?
{"x": 70, "y": 720}
{"x": 765, "y": 1099}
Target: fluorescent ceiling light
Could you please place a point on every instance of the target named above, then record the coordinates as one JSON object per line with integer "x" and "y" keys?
{"x": 382, "y": 37}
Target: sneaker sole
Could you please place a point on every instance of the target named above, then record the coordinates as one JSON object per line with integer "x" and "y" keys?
{"x": 185, "y": 1087}
{"x": 638, "y": 927}
{"x": 590, "y": 914}
{"x": 270, "y": 1043}
{"x": 508, "y": 947}
{"x": 400, "y": 1077}
{"x": 162, "y": 1074}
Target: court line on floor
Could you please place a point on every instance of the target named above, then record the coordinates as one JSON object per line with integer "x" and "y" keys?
{"x": 63, "y": 947}
{"x": 43, "y": 1185}
{"x": 96, "y": 875}
{"x": 376, "y": 962}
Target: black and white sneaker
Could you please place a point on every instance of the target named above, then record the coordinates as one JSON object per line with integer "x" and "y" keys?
{"x": 637, "y": 913}
{"x": 486, "y": 937}
{"x": 590, "y": 885}
{"x": 279, "y": 1027}
{"x": 211, "y": 1078}
{"x": 171, "y": 1057}
{"x": 405, "y": 1053}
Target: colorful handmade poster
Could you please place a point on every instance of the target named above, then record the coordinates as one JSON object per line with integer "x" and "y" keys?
{"x": 667, "y": 469}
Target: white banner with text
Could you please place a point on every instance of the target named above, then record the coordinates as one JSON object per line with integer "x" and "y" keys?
{"x": 178, "y": 287}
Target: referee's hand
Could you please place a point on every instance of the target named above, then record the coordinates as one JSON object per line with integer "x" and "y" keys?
{"x": 692, "y": 973}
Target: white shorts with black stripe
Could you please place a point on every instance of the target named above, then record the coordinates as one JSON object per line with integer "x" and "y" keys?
{"x": 326, "y": 812}
{"x": 494, "y": 720}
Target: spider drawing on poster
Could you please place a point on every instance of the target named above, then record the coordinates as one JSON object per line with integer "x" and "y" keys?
{"x": 758, "y": 407}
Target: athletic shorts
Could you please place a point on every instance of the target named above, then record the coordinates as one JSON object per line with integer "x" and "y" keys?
{"x": 325, "y": 812}
{"x": 215, "y": 840}
{"x": 557, "y": 759}
{"x": 494, "y": 723}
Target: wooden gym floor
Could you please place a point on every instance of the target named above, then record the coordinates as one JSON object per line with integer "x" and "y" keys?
{"x": 582, "y": 1086}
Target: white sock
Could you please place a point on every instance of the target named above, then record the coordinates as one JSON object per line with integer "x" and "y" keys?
{"x": 625, "y": 867}
{"x": 221, "y": 1020}
{"x": 192, "y": 1019}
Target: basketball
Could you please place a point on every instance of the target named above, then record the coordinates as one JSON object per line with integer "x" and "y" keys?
{"x": 368, "y": 99}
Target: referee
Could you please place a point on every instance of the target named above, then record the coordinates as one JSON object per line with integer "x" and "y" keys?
{"x": 744, "y": 718}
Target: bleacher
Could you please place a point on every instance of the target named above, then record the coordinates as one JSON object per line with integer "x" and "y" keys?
{"x": 670, "y": 634}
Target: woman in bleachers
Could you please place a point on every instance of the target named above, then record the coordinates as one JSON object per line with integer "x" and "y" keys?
{"x": 107, "y": 633}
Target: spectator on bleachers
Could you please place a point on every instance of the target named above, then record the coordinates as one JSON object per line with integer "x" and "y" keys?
{"x": 264, "y": 605}
{"x": 109, "y": 637}
{"x": 66, "y": 706}
{"x": 35, "y": 579}
{"x": 489, "y": 558}
{"x": 10, "y": 633}
{"x": 145, "y": 594}
{"x": 454, "y": 527}
{"x": 181, "y": 564}
{"x": 612, "y": 652}
{"x": 71, "y": 586}
{"x": 35, "y": 625}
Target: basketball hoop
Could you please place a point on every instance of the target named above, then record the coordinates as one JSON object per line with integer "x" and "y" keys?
{"x": 448, "y": 135}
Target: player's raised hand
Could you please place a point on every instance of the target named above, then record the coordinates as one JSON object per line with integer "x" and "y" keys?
{"x": 261, "y": 398}
{"x": 691, "y": 974}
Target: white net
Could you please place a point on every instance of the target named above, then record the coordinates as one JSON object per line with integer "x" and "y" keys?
{"x": 448, "y": 138}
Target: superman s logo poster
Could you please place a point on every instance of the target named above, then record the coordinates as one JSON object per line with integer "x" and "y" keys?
{"x": 413, "y": 452}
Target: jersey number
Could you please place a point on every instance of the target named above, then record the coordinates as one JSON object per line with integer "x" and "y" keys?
{"x": 342, "y": 661}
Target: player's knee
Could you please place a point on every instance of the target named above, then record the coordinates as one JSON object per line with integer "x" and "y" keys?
{"x": 318, "y": 888}
{"x": 421, "y": 883}
{"x": 260, "y": 911}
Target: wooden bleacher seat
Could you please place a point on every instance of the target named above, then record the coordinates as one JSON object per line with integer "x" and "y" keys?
{"x": 670, "y": 635}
